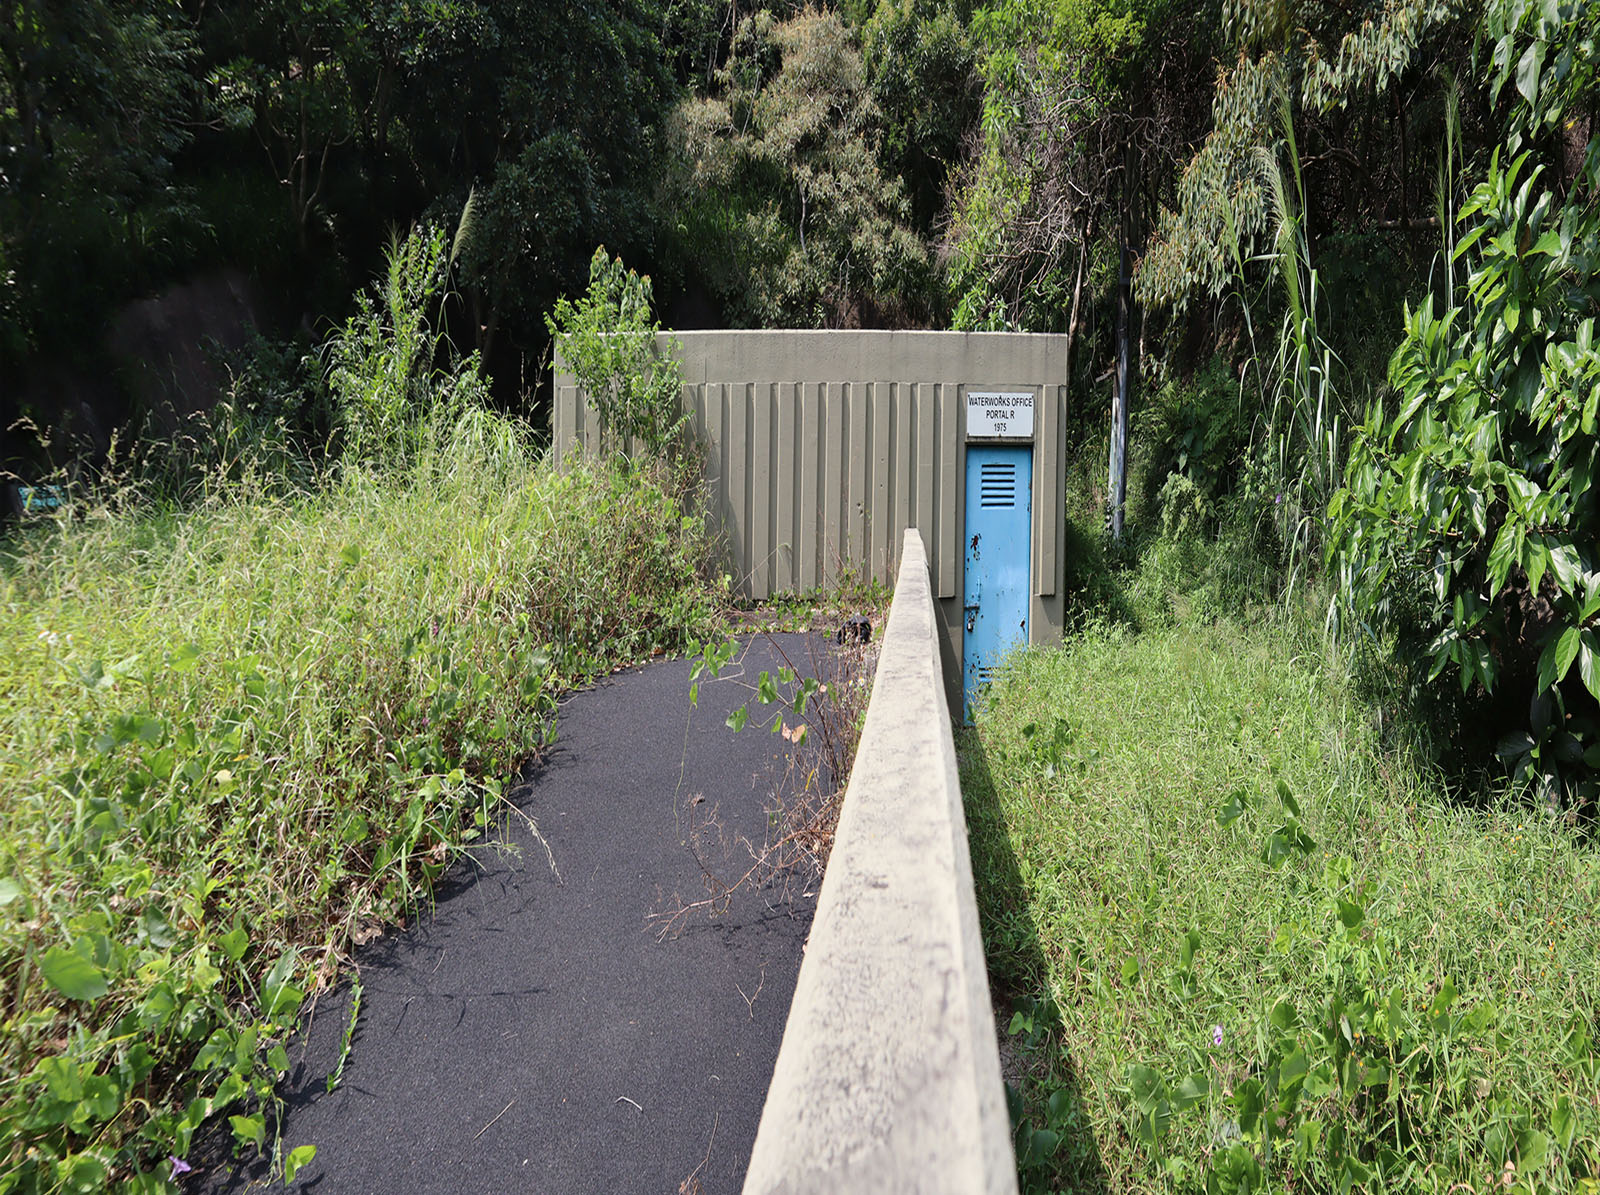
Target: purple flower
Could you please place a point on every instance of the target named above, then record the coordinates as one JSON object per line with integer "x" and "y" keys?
{"x": 1216, "y": 1035}
{"x": 179, "y": 1166}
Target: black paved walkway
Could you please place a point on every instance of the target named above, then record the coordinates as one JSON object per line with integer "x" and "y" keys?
{"x": 532, "y": 1034}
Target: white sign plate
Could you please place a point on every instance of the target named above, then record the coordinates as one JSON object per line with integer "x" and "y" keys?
{"x": 1000, "y": 414}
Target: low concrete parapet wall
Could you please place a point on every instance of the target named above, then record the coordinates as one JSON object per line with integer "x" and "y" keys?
{"x": 888, "y": 1078}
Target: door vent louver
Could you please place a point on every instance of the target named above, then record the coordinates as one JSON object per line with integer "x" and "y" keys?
{"x": 997, "y": 485}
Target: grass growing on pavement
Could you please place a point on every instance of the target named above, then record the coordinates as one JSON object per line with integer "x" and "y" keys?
{"x": 1248, "y": 951}
{"x": 231, "y": 736}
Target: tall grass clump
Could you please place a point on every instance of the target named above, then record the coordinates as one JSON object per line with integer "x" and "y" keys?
{"x": 1247, "y": 951}
{"x": 236, "y": 734}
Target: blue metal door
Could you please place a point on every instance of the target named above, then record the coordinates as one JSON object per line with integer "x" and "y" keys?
{"x": 999, "y": 502}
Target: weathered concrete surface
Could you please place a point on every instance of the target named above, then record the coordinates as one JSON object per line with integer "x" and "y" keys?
{"x": 888, "y": 1078}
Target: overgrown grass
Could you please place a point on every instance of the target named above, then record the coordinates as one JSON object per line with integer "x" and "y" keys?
{"x": 235, "y": 736}
{"x": 1248, "y": 951}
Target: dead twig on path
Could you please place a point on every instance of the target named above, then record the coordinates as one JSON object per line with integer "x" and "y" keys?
{"x": 497, "y": 1116}
{"x": 691, "y": 1184}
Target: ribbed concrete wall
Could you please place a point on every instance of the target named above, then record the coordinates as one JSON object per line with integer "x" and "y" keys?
{"x": 822, "y": 446}
{"x": 888, "y": 1079}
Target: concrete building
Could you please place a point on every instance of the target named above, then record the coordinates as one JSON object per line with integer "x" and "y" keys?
{"x": 822, "y": 447}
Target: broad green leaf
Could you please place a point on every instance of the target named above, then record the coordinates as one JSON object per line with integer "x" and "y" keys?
{"x": 1443, "y": 999}
{"x": 83, "y": 1172}
{"x": 248, "y": 1128}
{"x": 1532, "y": 1146}
{"x": 1352, "y": 1174}
{"x": 1535, "y": 559}
{"x": 1563, "y": 1123}
{"x": 9, "y": 891}
{"x": 234, "y": 943}
{"x": 1591, "y": 601}
{"x": 1589, "y": 661}
{"x": 738, "y": 718}
{"x": 1564, "y": 566}
{"x": 1286, "y": 795}
{"x": 1502, "y": 556}
{"x": 1041, "y": 1146}
{"x": 1233, "y": 808}
{"x": 1146, "y": 1086}
{"x": 1247, "y": 1101}
{"x": 72, "y": 974}
{"x": 1557, "y": 658}
{"x": 1518, "y": 742}
{"x": 157, "y": 929}
{"x": 1350, "y": 913}
{"x": 1528, "y": 70}
{"x": 1373, "y": 1074}
{"x": 62, "y": 1078}
{"x": 1191, "y": 1091}
{"x": 282, "y": 1002}
{"x": 1187, "y": 949}
{"x": 1549, "y": 244}
{"x": 1059, "y": 1105}
{"x": 1276, "y": 848}
{"x": 297, "y": 1157}
{"x": 218, "y": 1047}
{"x": 101, "y": 1099}
{"x": 1477, "y": 512}
{"x": 1319, "y": 1082}
{"x": 1292, "y": 1069}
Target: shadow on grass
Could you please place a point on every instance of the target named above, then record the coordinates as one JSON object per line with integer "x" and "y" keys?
{"x": 1055, "y": 1142}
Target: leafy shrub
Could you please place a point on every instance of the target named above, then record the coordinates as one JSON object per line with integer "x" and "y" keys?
{"x": 1471, "y": 512}
{"x": 608, "y": 340}
{"x": 1205, "y": 429}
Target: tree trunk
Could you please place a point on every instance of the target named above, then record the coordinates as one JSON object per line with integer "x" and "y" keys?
{"x": 1122, "y": 396}
{"x": 1119, "y": 405}
{"x": 1077, "y": 289}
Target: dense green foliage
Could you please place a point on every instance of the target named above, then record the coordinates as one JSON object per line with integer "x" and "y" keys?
{"x": 96, "y": 98}
{"x": 144, "y": 139}
{"x": 783, "y": 195}
{"x": 1470, "y": 516}
{"x": 1468, "y": 519}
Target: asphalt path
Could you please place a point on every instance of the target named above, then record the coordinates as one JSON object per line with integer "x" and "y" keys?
{"x": 532, "y": 1033}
